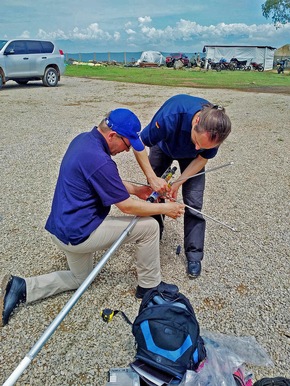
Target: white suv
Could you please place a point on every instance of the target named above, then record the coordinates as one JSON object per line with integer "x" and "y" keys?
{"x": 23, "y": 60}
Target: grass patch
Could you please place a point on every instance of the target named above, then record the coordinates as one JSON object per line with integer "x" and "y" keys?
{"x": 186, "y": 77}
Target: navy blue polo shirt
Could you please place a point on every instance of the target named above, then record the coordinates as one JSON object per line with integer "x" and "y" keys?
{"x": 88, "y": 184}
{"x": 171, "y": 126}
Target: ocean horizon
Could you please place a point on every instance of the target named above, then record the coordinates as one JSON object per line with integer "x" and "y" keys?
{"x": 120, "y": 57}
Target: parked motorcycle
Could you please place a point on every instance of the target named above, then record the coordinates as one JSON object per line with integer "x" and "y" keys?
{"x": 226, "y": 65}
{"x": 213, "y": 65}
{"x": 280, "y": 66}
{"x": 257, "y": 66}
{"x": 240, "y": 64}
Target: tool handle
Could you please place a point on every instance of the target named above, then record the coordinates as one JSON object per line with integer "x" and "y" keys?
{"x": 167, "y": 175}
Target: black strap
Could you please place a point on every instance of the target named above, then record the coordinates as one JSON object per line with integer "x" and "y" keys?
{"x": 108, "y": 314}
{"x": 125, "y": 317}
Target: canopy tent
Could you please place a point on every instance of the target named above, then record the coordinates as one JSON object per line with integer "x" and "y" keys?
{"x": 259, "y": 54}
{"x": 151, "y": 57}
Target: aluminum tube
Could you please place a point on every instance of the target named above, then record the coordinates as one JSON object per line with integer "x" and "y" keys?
{"x": 69, "y": 305}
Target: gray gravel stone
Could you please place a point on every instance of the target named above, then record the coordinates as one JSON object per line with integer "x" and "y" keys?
{"x": 244, "y": 286}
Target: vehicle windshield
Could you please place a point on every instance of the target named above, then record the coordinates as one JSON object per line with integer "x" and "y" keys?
{"x": 2, "y": 43}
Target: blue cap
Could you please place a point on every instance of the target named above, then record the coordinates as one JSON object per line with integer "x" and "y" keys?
{"x": 126, "y": 124}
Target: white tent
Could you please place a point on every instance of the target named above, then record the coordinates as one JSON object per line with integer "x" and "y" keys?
{"x": 259, "y": 54}
{"x": 151, "y": 57}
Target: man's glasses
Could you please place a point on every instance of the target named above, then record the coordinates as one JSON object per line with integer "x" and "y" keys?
{"x": 127, "y": 146}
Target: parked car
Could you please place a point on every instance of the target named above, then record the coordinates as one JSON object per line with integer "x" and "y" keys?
{"x": 176, "y": 56}
{"x": 23, "y": 60}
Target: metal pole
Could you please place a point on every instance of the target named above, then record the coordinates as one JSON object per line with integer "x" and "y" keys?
{"x": 187, "y": 178}
{"x": 69, "y": 305}
{"x": 206, "y": 215}
{"x": 205, "y": 172}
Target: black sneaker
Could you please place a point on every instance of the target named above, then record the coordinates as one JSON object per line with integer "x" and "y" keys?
{"x": 141, "y": 291}
{"x": 193, "y": 269}
{"x": 13, "y": 292}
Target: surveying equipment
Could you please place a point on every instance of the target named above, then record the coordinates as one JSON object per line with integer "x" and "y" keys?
{"x": 167, "y": 175}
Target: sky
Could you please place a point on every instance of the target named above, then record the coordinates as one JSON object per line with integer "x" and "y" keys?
{"x": 138, "y": 25}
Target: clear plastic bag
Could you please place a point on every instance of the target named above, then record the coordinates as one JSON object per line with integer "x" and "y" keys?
{"x": 226, "y": 354}
{"x": 246, "y": 348}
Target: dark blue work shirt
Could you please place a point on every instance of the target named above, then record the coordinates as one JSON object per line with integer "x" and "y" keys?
{"x": 88, "y": 184}
{"x": 171, "y": 126}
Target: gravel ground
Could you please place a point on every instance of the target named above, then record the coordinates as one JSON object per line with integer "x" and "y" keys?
{"x": 244, "y": 286}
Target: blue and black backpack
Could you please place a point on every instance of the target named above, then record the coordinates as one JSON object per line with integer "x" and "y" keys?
{"x": 167, "y": 332}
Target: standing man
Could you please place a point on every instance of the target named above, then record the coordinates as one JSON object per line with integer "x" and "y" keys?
{"x": 79, "y": 222}
{"x": 190, "y": 130}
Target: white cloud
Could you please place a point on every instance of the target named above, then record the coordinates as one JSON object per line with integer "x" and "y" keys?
{"x": 130, "y": 31}
{"x": 184, "y": 33}
{"x": 117, "y": 36}
{"x": 25, "y": 35}
{"x": 59, "y": 34}
{"x": 144, "y": 20}
{"x": 92, "y": 32}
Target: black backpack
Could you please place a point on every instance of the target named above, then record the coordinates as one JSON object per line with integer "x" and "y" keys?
{"x": 167, "y": 332}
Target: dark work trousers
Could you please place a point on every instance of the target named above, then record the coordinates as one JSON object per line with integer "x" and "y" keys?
{"x": 192, "y": 193}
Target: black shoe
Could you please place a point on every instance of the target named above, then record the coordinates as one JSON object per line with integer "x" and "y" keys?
{"x": 141, "y": 291}
{"x": 13, "y": 292}
{"x": 194, "y": 269}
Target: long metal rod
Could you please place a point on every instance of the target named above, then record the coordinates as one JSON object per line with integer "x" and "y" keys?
{"x": 206, "y": 215}
{"x": 187, "y": 178}
{"x": 69, "y": 305}
{"x": 205, "y": 172}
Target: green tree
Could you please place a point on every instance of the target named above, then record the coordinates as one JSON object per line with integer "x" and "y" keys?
{"x": 278, "y": 10}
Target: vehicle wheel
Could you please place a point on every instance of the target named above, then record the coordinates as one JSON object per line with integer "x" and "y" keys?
{"x": 50, "y": 78}
{"x": 1, "y": 80}
{"x": 248, "y": 68}
{"x": 22, "y": 81}
{"x": 232, "y": 67}
{"x": 260, "y": 68}
{"x": 218, "y": 68}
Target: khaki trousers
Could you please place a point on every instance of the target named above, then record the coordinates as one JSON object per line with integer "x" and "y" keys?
{"x": 80, "y": 257}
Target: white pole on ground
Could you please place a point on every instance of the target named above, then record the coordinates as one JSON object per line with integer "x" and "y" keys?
{"x": 69, "y": 305}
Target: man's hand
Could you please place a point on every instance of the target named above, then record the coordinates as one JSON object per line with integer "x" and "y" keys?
{"x": 173, "y": 209}
{"x": 159, "y": 185}
{"x": 173, "y": 193}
